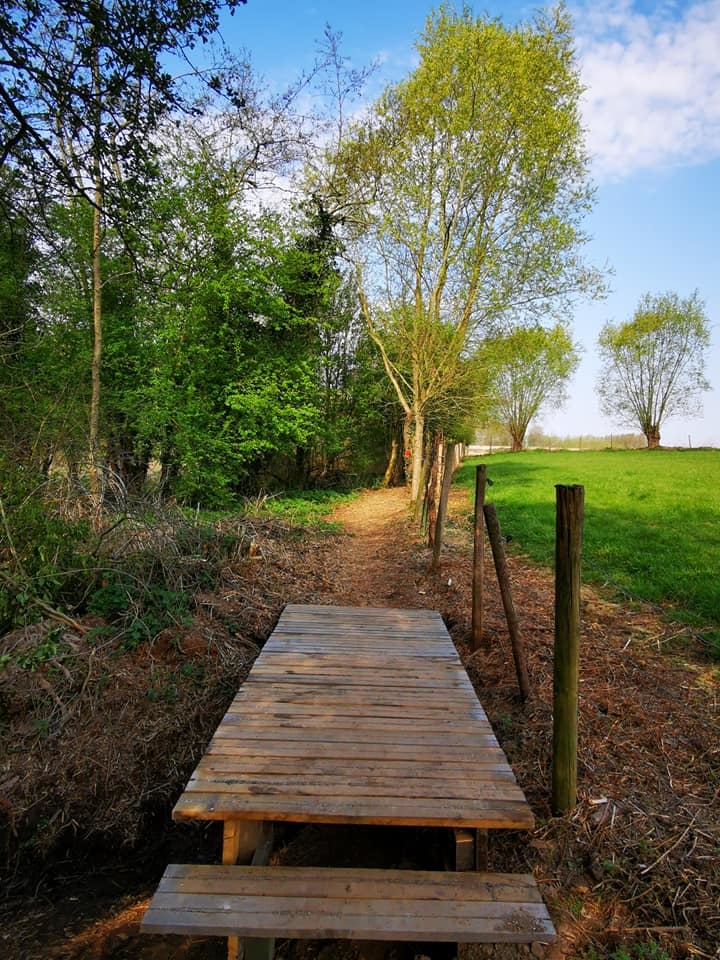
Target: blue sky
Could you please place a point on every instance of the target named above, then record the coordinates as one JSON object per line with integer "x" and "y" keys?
{"x": 652, "y": 114}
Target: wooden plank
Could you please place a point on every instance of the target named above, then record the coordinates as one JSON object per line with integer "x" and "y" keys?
{"x": 350, "y": 769}
{"x": 357, "y": 693}
{"x": 492, "y": 814}
{"x": 372, "y": 696}
{"x": 325, "y": 662}
{"x": 348, "y": 882}
{"x": 316, "y": 610}
{"x": 333, "y": 786}
{"x": 333, "y": 679}
{"x": 314, "y": 720}
{"x": 343, "y": 749}
{"x": 323, "y": 909}
{"x": 464, "y": 712}
{"x": 315, "y": 666}
{"x": 388, "y": 645}
{"x": 359, "y": 734}
{"x": 462, "y": 700}
{"x": 359, "y": 904}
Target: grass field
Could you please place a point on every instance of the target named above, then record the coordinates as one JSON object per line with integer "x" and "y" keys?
{"x": 652, "y": 519}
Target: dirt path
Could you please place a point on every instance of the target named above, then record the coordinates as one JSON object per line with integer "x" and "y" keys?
{"x": 370, "y": 564}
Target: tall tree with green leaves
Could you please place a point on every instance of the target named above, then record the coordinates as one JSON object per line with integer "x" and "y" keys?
{"x": 526, "y": 369}
{"x": 83, "y": 85}
{"x": 653, "y": 366}
{"x": 468, "y": 182}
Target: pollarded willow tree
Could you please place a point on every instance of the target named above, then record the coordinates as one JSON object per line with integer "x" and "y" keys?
{"x": 652, "y": 367}
{"x": 469, "y": 182}
{"x": 526, "y": 369}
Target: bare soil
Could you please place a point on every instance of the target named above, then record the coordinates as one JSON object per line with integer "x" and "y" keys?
{"x": 636, "y": 864}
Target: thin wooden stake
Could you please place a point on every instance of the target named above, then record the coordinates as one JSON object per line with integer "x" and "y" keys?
{"x": 478, "y": 557}
{"x": 568, "y": 556}
{"x": 442, "y": 506}
{"x": 503, "y": 575}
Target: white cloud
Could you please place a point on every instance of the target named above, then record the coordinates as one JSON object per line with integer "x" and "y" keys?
{"x": 653, "y": 84}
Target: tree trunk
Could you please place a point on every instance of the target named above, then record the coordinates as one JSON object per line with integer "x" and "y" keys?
{"x": 516, "y": 439}
{"x": 407, "y": 446}
{"x": 652, "y": 434}
{"x": 417, "y": 456}
{"x": 391, "y": 468}
{"x": 97, "y": 353}
{"x": 94, "y": 428}
{"x": 433, "y": 489}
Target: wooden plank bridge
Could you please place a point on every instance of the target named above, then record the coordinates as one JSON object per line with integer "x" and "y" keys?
{"x": 354, "y": 716}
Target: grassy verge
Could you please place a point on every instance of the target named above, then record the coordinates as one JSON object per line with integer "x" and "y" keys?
{"x": 652, "y": 519}
{"x": 306, "y": 508}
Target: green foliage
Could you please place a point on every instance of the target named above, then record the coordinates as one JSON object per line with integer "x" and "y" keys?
{"x": 231, "y": 350}
{"x": 526, "y": 369}
{"x": 306, "y": 508}
{"x": 95, "y": 109}
{"x": 653, "y": 365}
{"x": 650, "y": 519}
{"x": 139, "y": 611}
{"x": 46, "y": 650}
{"x": 469, "y": 168}
{"x": 42, "y": 556}
{"x": 258, "y": 383}
{"x": 648, "y": 950}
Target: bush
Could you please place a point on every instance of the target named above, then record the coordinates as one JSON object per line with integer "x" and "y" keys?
{"x": 42, "y": 560}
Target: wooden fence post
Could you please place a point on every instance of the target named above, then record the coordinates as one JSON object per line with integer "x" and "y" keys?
{"x": 503, "y": 575}
{"x": 478, "y": 557}
{"x": 568, "y": 556}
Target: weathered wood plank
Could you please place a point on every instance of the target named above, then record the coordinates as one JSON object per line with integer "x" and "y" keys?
{"x": 343, "y": 749}
{"x": 416, "y": 812}
{"x": 318, "y": 609}
{"x": 348, "y": 882}
{"x": 312, "y": 735}
{"x": 351, "y": 769}
{"x": 358, "y": 904}
{"x": 306, "y": 715}
{"x": 276, "y": 707}
{"x": 423, "y": 789}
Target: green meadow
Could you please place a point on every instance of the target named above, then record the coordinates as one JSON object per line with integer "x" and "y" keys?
{"x": 652, "y": 519}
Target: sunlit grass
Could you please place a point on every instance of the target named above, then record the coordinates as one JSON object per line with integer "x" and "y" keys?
{"x": 305, "y": 508}
{"x": 652, "y": 518}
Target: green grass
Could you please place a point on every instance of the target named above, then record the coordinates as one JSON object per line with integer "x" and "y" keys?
{"x": 652, "y": 518}
{"x": 305, "y": 508}
{"x": 302, "y": 508}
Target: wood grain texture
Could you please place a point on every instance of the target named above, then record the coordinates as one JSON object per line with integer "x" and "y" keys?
{"x": 357, "y": 715}
{"x": 347, "y": 903}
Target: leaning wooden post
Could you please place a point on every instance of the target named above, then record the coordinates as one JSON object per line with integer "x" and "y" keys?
{"x": 478, "y": 557}
{"x": 503, "y": 575}
{"x": 568, "y": 555}
{"x": 442, "y": 505}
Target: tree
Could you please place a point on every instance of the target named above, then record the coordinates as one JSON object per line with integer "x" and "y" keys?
{"x": 653, "y": 365}
{"x": 468, "y": 182}
{"x": 83, "y": 85}
{"x": 526, "y": 368}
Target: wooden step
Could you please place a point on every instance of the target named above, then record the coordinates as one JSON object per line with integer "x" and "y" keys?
{"x": 354, "y": 904}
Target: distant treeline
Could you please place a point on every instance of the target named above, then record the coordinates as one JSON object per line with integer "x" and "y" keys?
{"x": 538, "y": 439}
